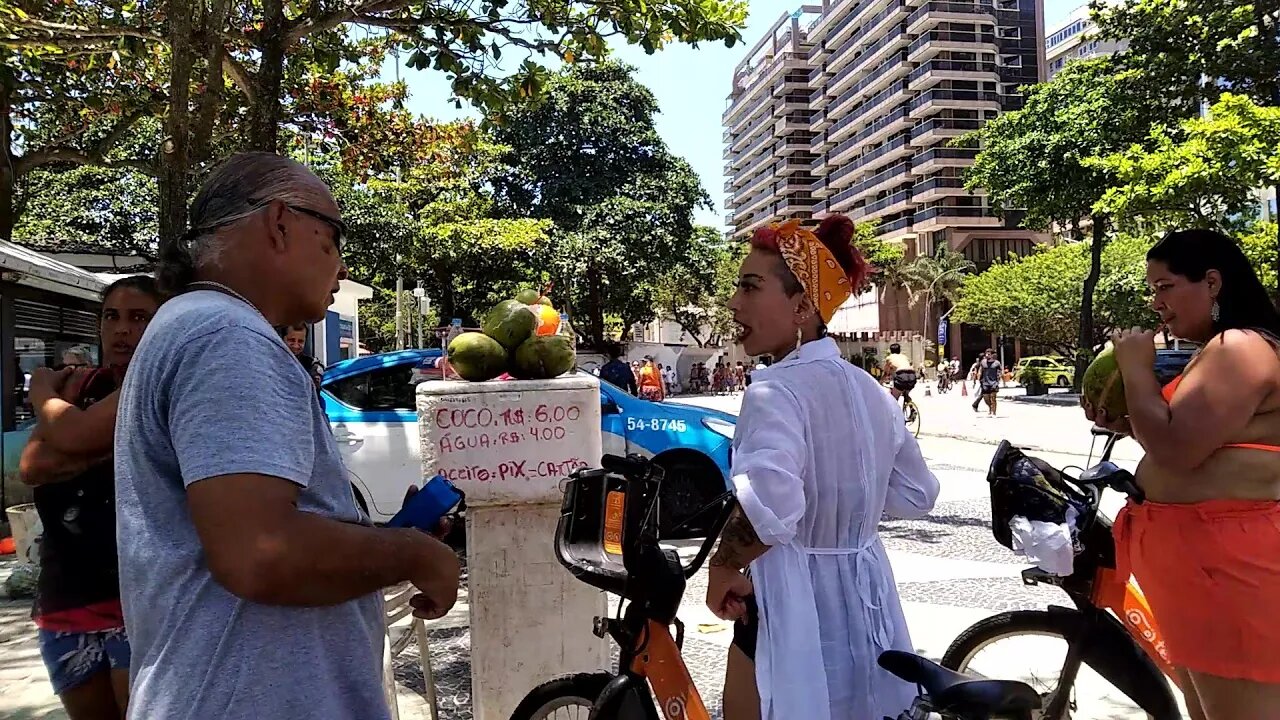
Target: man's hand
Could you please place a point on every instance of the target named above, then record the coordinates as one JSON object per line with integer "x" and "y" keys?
{"x": 727, "y": 590}
{"x": 442, "y": 528}
{"x": 47, "y": 382}
{"x": 436, "y": 574}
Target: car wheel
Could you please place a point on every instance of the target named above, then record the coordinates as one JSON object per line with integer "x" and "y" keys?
{"x": 1063, "y": 381}
{"x": 691, "y": 483}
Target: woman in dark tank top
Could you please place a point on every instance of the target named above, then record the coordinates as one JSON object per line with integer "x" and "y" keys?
{"x": 68, "y": 462}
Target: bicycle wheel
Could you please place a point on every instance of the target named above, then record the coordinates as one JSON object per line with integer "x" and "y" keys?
{"x": 571, "y": 698}
{"x": 912, "y": 414}
{"x": 1031, "y": 646}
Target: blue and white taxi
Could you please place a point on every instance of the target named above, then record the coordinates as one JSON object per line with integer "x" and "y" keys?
{"x": 371, "y": 405}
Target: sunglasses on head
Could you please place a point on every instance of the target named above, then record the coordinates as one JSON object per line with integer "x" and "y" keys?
{"x": 339, "y": 227}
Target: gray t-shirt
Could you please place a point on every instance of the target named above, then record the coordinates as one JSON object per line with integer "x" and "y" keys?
{"x": 212, "y": 391}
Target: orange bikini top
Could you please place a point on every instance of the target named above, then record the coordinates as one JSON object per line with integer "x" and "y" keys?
{"x": 1168, "y": 390}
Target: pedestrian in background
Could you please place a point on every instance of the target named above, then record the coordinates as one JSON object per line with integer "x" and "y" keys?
{"x": 651, "y": 381}
{"x": 990, "y": 372}
{"x": 295, "y": 337}
{"x": 251, "y": 582}
{"x": 617, "y": 372}
{"x": 670, "y": 379}
{"x": 68, "y": 462}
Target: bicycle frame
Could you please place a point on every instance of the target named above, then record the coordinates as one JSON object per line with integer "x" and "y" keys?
{"x": 1118, "y": 627}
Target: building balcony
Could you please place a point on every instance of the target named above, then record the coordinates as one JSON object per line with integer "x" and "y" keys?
{"x": 884, "y": 180}
{"x": 863, "y": 112}
{"x": 931, "y": 101}
{"x": 794, "y": 144}
{"x": 933, "y": 189}
{"x": 877, "y": 131}
{"x": 934, "y": 130}
{"x": 886, "y": 153}
{"x": 938, "y": 70}
{"x": 847, "y": 21}
{"x": 748, "y": 134}
{"x": 755, "y": 202}
{"x": 860, "y": 59}
{"x": 895, "y": 203}
{"x": 936, "y": 218}
{"x": 898, "y": 229}
{"x": 930, "y": 161}
{"x": 761, "y": 79}
{"x": 935, "y": 41}
{"x": 940, "y": 11}
{"x": 795, "y": 164}
{"x": 751, "y": 168}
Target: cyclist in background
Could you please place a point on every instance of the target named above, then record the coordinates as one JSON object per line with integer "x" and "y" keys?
{"x": 898, "y": 370}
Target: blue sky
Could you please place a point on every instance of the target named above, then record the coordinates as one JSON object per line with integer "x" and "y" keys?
{"x": 690, "y": 84}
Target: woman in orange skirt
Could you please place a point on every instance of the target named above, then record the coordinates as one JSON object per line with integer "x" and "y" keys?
{"x": 1205, "y": 545}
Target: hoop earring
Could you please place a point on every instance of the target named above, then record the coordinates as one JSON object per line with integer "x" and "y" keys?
{"x": 1215, "y": 312}
{"x": 799, "y": 337}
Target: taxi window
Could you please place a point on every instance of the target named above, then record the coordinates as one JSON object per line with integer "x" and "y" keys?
{"x": 383, "y": 389}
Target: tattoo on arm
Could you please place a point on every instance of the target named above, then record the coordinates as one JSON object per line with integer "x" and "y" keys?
{"x": 739, "y": 544}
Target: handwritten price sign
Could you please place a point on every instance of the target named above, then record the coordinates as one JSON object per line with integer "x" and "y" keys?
{"x": 510, "y": 446}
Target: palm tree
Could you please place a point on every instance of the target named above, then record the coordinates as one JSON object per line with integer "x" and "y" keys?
{"x": 935, "y": 278}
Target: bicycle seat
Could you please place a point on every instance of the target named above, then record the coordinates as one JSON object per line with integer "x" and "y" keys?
{"x": 957, "y": 693}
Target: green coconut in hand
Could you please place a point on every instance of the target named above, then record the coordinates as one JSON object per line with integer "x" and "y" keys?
{"x": 1103, "y": 387}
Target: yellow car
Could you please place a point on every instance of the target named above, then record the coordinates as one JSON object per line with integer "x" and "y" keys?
{"x": 1054, "y": 371}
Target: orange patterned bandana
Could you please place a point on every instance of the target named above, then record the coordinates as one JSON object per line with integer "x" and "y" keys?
{"x": 825, "y": 283}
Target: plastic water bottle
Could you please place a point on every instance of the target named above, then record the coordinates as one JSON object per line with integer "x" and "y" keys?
{"x": 567, "y": 330}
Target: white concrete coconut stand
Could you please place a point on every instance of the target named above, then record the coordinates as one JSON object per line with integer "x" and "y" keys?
{"x": 507, "y": 445}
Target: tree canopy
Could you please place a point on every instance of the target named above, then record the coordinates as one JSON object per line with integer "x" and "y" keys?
{"x": 231, "y": 74}
{"x": 1203, "y": 173}
{"x": 1037, "y": 298}
{"x": 589, "y": 159}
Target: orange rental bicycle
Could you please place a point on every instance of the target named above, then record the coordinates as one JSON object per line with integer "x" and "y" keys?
{"x": 607, "y": 537}
{"x": 1111, "y": 628}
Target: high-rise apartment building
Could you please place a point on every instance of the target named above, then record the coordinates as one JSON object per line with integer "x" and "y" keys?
{"x": 768, "y": 163}
{"x": 1075, "y": 39}
{"x": 890, "y": 85}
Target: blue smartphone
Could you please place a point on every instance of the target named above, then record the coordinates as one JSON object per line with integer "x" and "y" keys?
{"x": 437, "y": 498}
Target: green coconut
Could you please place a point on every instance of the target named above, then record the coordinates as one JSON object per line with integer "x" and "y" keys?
{"x": 1103, "y": 387}
{"x": 543, "y": 357}
{"x": 510, "y": 322}
{"x": 477, "y": 357}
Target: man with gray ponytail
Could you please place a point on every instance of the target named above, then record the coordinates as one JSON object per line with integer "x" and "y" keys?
{"x": 249, "y": 578}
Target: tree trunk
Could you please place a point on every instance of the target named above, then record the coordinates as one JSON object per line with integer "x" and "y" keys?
{"x": 8, "y": 180}
{"x": 1275, "y": 294}
{"x": 175, "y": 150}
{"x": 1085, "y": 342}
{"x": 595, "y": 312}
{"x": 209, "y": 104}
{"x": 264, "y": 116}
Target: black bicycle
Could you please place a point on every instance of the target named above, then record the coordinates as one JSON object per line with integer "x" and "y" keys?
{"x": 607, "y": 537}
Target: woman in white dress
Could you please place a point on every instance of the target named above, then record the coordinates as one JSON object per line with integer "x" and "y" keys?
{"x": 820, "y": 454}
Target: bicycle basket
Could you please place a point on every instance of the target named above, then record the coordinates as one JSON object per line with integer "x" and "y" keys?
{"x": 600, "y": 512}
{"x": 1030, "y": 487}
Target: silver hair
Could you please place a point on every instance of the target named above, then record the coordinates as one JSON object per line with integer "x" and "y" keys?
{"x": 234, "y": 190}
